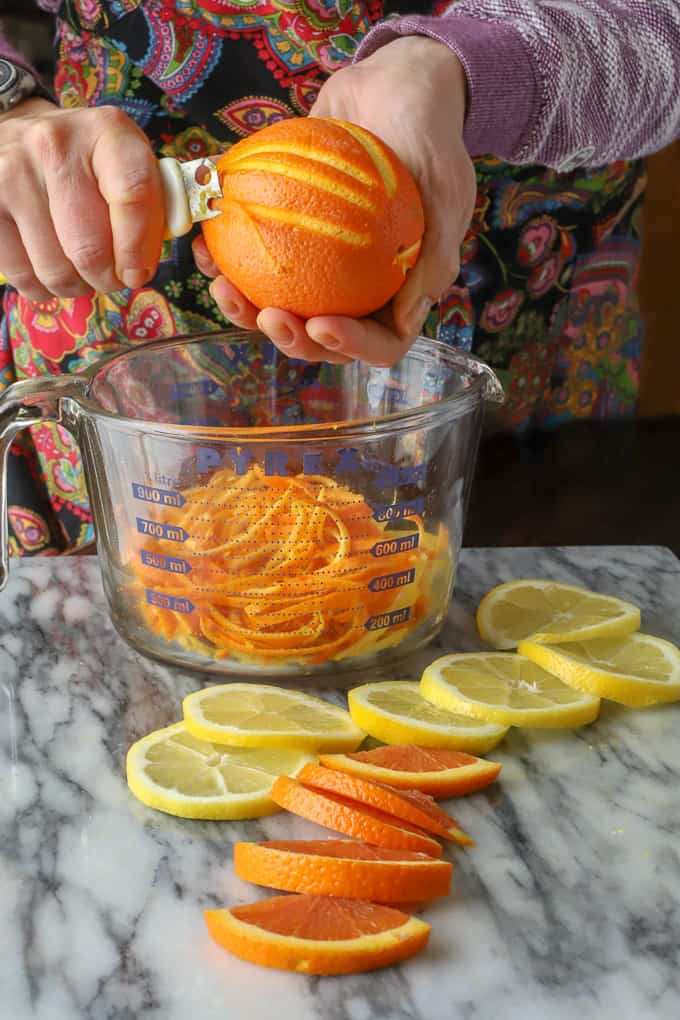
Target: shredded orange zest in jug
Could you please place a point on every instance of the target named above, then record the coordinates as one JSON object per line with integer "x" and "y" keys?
{"x": 284, "y": 569}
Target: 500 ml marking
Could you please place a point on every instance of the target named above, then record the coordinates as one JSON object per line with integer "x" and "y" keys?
{"x": 389, "y": 581}
{"x": 390, "y": 546}
{"x": 172, "y": 602}
{"x": 391, "y": 619}
{"x": 397, "y": 511}
{"x": 152, "y": 494}
{"x": 160, "y": 561}
{"x": 155, "y": 529}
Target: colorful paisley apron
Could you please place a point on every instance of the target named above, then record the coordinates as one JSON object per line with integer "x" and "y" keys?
{"x": 546, "y": 292}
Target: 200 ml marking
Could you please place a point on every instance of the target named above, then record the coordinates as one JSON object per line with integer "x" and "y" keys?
{"x": 172, "y": 602}
{"x": 391, "y": 619}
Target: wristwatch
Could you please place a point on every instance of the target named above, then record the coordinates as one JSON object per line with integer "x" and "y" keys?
{"x": 15, "y": 84}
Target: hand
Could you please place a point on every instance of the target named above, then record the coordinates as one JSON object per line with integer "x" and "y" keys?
{"x": 412, "y": 94}
{"x": 81, "y": 204}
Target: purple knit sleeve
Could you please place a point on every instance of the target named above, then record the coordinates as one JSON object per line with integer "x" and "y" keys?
{"x": 560, "y": 83}
{"x": 8, "y": 51}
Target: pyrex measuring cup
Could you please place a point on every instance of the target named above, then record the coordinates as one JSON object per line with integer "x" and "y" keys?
{"x": 256, "y": 514}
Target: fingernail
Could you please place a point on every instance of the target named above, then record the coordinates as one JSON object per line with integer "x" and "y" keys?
{"x": 416, "y": 317}
{"x": 326, "y": 340}
{"x": 134, "y": 278}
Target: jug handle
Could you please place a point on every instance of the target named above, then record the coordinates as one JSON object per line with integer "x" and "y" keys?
{"x": 26, "y": 403}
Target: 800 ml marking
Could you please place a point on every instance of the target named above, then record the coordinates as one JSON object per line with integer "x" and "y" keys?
{"x": 172, "y": 602}
{"x": 171, "y": 532}
{"x": 386, "y": 582}
{"x": 390, "y": 546}
{"x": 152, "y": 494}
{"x": 397, "y": 511}
{"x": 391, "y": 619}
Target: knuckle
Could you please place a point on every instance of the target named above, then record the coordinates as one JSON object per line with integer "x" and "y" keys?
{"x": 135, "y": 183}
{"x": 48, "y": 140}
{"x": 62, "y": 281}
{"x": 89, "y": 256}
{"x": 111, "y": 117}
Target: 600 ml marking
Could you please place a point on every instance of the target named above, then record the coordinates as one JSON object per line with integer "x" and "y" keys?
{"x": 398, "y": 511}
{"x": 389, "y": 581}
{"x": 172, "y": 602}
{"x": 390, "y": 546}
{"x": 391, "y": 619}
{"x": 157, "y": 530}
{"x": 162, "y": 497}
{"x": 160, "y": 561}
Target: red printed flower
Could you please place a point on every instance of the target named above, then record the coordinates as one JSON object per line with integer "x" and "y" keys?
{"x": 56, "y": 327}
{"x": 545, "y": 276}
{"x": 536, "y": 241}
{"x": 502, "y": 311}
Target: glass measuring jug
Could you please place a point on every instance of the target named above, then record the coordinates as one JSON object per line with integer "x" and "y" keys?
{"x": 261, "y": 515}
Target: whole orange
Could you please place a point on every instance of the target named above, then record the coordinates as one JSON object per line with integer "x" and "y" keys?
{"x": 319, "y": 217}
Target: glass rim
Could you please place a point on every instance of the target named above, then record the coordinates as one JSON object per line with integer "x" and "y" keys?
{"x": 483, "y": 385}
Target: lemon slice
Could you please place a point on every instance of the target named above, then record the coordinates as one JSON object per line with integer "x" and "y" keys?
{"x": 507, "y": 689}
{"x": 173, "y": 771}
{"x": 636, "y": 671}
{"x": 551, "y": 612}
{"x": 395, "y": 712}
{"x": 257, "y": 715}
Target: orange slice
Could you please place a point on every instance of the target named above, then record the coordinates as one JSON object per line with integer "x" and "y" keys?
{"x": 439, "y": 772}
{"x": 343, "y": 867}
{"x": 410, "y": 806}
{"x": 318, "y": 934}
{"x": 352, "y": 819}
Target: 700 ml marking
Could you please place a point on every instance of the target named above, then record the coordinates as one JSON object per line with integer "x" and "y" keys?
{"x": 171, "y": 532}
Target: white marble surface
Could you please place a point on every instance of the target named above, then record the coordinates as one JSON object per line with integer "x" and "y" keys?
{"x": 568, "y": 908}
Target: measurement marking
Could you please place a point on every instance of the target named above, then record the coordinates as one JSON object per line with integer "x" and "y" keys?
{"x": 157, "y": 530}
{"x": 390, "y": 546}
{"x": 398, "y": 511}
{"x": 152, "y": 494}
{"x": 387, "y": 582}
{"x": 391, "y": 619}
{"x": 172, "y": 602}
{"x": 160, "y": 561}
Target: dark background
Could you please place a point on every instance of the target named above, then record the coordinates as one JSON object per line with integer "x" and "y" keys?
{"x": 583, "y": 483}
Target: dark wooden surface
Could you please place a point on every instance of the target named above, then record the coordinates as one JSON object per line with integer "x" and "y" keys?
{"x": 582, "y": 484}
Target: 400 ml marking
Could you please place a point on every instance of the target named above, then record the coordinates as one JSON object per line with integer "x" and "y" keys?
{"x": 172, "y": 602}
{"x": 390, "y": 546}
{"x": 388, "y": 582}
{"x": 155, "y": 529}
{"x": 391, "y": 619}
{"x": 161, "y": 497}
{"x": 172, "y": 564}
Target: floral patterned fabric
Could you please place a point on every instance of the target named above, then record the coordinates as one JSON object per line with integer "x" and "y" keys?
{"x": 546, "y": 293}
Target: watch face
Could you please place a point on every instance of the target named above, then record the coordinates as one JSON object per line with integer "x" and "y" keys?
{"x": 8, "y": 76}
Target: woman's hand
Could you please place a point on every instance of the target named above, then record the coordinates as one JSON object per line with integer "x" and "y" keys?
{"x": 81, "y": 204}
{"x": 412, "y": 94}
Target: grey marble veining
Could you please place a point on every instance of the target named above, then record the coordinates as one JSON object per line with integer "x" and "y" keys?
{"x": 568, "y": 908}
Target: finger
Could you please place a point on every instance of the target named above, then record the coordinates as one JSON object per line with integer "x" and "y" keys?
{"x": 371, "y": 340}
{"x": 81, "y": 221}
{"x": 32, "y": 217}
{"x": 288, "y": 333}
{"x": 232, "y": 303}
{"x": 203, "y": 258}
{"x": 129, "y": 180}
{"x": 448, "y": 207}
{"x": 16, "y": 266}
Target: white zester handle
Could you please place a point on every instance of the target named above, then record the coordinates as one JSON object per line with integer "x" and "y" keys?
{"x": 177, "y": 213}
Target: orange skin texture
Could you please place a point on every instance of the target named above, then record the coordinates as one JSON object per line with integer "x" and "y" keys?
{"x": 318, "y": 218}
{"x": 440, "y": 773}
{"x": 345, "y": 868}
{"x": 352, "y": 819}
{"x": 406, "y": 805}
{"x": 269, "y": 932}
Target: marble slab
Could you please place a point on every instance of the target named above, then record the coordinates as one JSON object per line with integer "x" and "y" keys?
{"x": 568, "y": 908}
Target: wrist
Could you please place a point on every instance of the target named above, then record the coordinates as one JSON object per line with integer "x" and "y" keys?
{"x": 32, "y": 106}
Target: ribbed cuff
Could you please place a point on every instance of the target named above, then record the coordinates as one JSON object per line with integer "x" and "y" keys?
{"x": 503, "y": 94}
